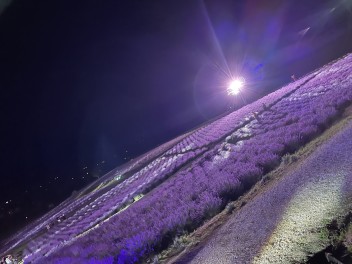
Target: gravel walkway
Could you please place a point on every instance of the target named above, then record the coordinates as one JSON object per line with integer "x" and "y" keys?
{"x": 283, "y": 224}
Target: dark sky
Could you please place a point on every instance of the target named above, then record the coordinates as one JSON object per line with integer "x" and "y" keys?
{"x": 99, "y": 82}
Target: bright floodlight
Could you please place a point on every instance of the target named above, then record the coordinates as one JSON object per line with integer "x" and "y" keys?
{"x": 235, "y": 87}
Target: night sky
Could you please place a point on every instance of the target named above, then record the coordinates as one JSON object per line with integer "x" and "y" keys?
{"x": 87, "y": 85}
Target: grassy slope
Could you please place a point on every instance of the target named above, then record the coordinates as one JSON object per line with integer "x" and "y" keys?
{"x": 263, "y": 185}
{"x": 185, "y": 247}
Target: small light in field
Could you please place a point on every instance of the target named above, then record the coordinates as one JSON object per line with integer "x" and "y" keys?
{"x": 235, "y": 86}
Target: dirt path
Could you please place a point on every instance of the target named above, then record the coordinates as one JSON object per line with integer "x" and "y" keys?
{"x": 284, "y": 223}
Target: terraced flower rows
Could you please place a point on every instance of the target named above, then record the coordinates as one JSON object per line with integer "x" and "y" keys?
{"x": 197, "y": 175}
{"x": 71, "y": 205}
{"x": 118, "y": 197}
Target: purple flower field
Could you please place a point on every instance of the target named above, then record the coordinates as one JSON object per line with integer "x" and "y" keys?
{"x": 137, "y": 210}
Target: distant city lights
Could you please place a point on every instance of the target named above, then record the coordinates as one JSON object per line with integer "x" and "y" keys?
{"x": 235, "y": 86}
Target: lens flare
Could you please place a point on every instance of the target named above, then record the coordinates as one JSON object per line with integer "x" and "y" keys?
{"x": 235, "y": 86}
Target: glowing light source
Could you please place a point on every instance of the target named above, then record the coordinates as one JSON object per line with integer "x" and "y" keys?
{"x": 235, "y": 86}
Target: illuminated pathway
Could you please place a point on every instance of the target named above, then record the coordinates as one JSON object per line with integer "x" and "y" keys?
{"x": 282, "y": 224}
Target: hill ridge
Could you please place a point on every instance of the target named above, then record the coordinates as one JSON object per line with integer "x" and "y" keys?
{"x": 216, "y": 149}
